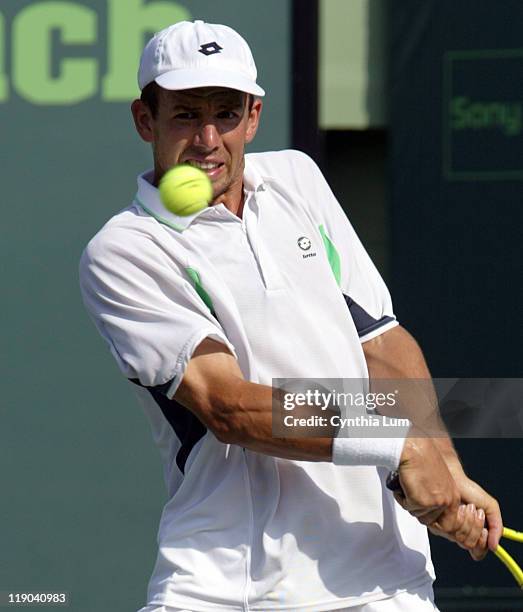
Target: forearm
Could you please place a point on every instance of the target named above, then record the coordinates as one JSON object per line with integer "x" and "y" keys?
{"x": 395, "y": 361}
{"x": 241, "y": 412}
{"x": 254, "y": 416}
{"x": 448, "y": 452}
{"x": 251, "y": 408}
{"x": 396, "y": 356}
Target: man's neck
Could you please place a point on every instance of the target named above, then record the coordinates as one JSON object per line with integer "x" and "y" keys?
{"x": 233, "y": 200}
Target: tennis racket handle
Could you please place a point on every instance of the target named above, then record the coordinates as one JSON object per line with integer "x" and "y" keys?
{"x": 393, "y": 482}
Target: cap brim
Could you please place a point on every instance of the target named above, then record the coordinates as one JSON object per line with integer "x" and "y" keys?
{"x": 189, "y": 79}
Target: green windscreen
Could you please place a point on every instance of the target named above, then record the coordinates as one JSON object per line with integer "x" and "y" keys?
{"x": 81, "y": 479}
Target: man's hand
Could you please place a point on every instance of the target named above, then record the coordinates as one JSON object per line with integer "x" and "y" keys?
{"x": 395, "y": 355}
{"x": 467, "y": 527}
{"x": 429, "y": 491}
{"x": 472, "y": 493}
{"x": 471, "y": 533}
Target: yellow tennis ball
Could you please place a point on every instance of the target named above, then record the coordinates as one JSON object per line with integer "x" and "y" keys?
{"x": 185, "y": 190}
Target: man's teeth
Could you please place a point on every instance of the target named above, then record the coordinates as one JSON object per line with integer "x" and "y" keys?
{"x": 203, "y": 165}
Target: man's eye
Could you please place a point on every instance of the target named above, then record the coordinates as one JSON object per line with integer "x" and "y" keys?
{"x": 185, "y": 116}
{"x": 227, "y": 115}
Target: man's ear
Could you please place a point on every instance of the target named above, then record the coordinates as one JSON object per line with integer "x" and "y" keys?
{"x": 253, "y": 120}
{"x": 143, "y": 120}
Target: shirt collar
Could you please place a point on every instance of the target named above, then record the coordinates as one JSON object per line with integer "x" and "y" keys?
{"x": 148, "y": 197}
{"x": 252, "y": 179}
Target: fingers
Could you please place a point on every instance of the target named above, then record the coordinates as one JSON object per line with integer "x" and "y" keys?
{"x": 471, "y": 526}
{"x": 470, "y": 532}
{"x": 451, "y": 505}
{"x": 481, "y": 549}
{"x": 471, "y": 492}
{"x": 494, "y": 522}
{"x": 452, "y": 517}
{"x": 428, "y": 517}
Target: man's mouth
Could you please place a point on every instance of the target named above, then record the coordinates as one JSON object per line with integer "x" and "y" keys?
{"x": 204, "y": 165}
{"x": 212, "y": 169}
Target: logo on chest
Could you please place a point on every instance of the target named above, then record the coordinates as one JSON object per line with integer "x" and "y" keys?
{"x": 305, "y": 244}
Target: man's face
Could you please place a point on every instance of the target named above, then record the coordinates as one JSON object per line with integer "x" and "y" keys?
{"x": 206, "y": 127}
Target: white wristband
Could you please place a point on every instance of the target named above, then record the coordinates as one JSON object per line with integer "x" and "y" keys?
{"x": 384, "y": 452}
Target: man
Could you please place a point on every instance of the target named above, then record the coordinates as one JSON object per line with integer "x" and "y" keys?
{"x": 202, "y": 312}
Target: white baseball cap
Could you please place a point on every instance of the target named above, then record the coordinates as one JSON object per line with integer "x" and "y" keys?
{"x": 197, "y": 54}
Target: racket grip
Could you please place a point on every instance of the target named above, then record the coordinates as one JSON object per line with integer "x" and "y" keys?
{"x": 393, "y": 482}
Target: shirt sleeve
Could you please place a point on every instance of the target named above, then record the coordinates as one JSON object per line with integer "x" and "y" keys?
{"x": 365, "y": 292}
{"x": 145, "y": 308}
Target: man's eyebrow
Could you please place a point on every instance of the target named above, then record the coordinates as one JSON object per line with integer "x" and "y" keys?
{"x": 232, "y": 103}
{"x": 236, "y": 104}
{"x": 218, "y": 99}
{"x": 184, "y": 106}
{"x": 191, "y": 108}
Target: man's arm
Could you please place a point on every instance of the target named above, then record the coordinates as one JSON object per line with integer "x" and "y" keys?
{"x": 396, "y": 355}
{"x": 240, "y": 412}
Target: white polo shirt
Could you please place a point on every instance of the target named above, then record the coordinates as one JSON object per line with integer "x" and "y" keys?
{"x": 291, "y": 291}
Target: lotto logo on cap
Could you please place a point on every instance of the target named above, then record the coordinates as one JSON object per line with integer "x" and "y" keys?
{"x": 197, "y": 54}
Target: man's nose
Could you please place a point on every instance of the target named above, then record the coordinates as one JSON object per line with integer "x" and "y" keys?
{"x": 207, "y": 135}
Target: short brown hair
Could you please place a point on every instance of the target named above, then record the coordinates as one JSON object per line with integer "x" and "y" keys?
{"x": 150, "y": 96}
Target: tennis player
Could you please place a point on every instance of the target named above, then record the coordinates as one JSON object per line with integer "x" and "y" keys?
{"x": 202, "y": 312}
